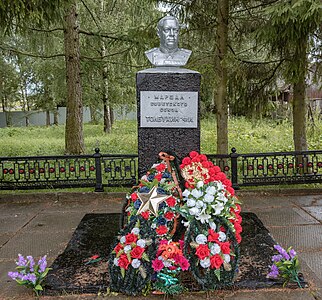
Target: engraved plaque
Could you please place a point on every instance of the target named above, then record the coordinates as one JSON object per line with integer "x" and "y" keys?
{"x": 168, "y": 109}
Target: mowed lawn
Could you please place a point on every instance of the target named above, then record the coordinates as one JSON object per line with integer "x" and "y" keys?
{"x": 246, "y": 136}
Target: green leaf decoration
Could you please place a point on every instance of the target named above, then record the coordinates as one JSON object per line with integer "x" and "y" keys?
{"x": 142, "y": 272}
{"x": 123, "y": 272}
{"x": 217, "y": 273}
{"x": 145, "y": 257}
{"x": 38, "y": 287}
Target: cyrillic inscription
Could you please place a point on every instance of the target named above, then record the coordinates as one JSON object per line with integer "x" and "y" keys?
{"x": 169, "y": 109}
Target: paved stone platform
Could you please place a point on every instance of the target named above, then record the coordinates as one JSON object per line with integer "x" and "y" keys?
{"x": 42, "y": 223}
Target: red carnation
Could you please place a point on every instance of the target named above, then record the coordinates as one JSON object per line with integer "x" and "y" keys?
{"x": 193, "y": 154}
{"x": 134, "y": 197}
{"x": 230, "y": 190}
{"x": 145, "y": 215}
{"x": 196, "y": 159}
{"x": 202, "y": 251}
{"x": 162, "y": 229}
{"x": 130, "y": 238}
{"x": 123, "y": 262}
{"x": 182, "y": 261}
{"x": 238, "y": 228}
{"x": 212, "y": 236}
{"x": 227, "y": 182}
{"x": 216, "y": 169}
{"x": 182, "y": 166}
{"x": 225, "y": 247}
{"x": 238, "y": 218}
{"x": 238, "y": 208}
{"x": 186, "y": 161}
{"x": 158, "y": 177}
{"x": 238, "y": 238}
{"x": 203, "y": 157}
{"x": 205, "y": 164}
{"x": 118, "y": 248}
{"x": 157, "y": 265}
{"x": 171, "y": 201}
{"x": 160, "y": 167}
{"x": 137, "y": 252}
{"x": 169, "y": 215}
{"x": 216, "y": 261}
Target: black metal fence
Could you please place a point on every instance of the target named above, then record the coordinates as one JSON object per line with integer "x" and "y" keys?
{"x": 116, "y": 170}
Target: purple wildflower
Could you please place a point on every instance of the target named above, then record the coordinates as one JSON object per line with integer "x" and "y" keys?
{"x": 292, "y": 253}
{"x": 274, "y": 272}
{"x": 282, "y": 251}
{"x": 42, "y": 264}
{"x": 31, "y": 262}
{"x": 32, "y": 277}
{"x": 13, "y": 275}
{"x": 277, "y": 258}
{"x": 21, "y": 261}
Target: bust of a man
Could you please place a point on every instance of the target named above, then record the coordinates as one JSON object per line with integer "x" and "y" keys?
{"x": 168, "y": 55}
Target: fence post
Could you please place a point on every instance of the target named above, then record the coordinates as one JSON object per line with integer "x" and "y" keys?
{"x": 234, "y": 169}
{"x": 98, "y": 168}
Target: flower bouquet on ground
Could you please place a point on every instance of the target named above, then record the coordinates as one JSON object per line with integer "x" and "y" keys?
{"x": 129, "y": 263}
{"x": 29, "y": 273}
{"x": 168, "y": 264}
{"x": 213, "y": 221}
{"x": 285, "y": 265}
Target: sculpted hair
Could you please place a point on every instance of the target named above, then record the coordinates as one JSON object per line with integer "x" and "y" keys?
{"x": 161, "y": 21}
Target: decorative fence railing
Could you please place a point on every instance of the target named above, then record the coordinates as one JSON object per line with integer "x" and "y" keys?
{"x": 115, "y": 170}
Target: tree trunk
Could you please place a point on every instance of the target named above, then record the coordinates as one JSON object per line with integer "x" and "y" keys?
{"x": 105, "y": 96}
{"x": 299, "y": 101}
{"x": 47, "y": 118}
{"x": 221, "y": 92}
{"x": 56, "y": 123}
{"x": 74, "y": 140}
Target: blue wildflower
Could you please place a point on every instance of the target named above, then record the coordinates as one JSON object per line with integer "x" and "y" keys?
{"x": 161, "y": 221}
{"x": 144, "y": 189}
{"x": 161, "y": 191}
{"x": 137, "y": 204}
{"x": 162, "y": 205}
{"x": 150, "y": 177}
{"x": 166, "y": 175}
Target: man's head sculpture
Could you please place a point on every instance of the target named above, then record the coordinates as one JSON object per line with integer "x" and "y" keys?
{"x": 168, "y": 55}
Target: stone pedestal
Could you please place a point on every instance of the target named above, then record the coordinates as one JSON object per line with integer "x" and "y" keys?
{"x": 168, "y": 113}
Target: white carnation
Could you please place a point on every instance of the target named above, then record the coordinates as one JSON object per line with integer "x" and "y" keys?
{"x": 194, "y": 211}
{"x": 186, "y": 193}
{"x": 209, "y": 198}
{"x": 196, "y": 193}
{"x": 205, "y": 263}
{"x": 200, "y": 184}
{"x": 127, "y": 248}
{"x": 222, "y": 236}
{"x": 167, "y": 263}
{"x": 141, "y": 243}
{"x": 215, "y": 249}
{"x": 135, "y": 230}
{"x": 200, "y": 204}
{"x": 201, "y": 239}
{"x": 122, "y": 239}
{"x": 211, "y": 190}
{"x": 136, "y": 263}
{"x": 191, "y": 203}
{"x": 212, "y": 225}
{"x": 227, "y": 258}
{"x": 116, "y": 261}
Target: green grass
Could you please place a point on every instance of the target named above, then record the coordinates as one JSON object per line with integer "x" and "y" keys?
{"x": 244, "y": 135}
